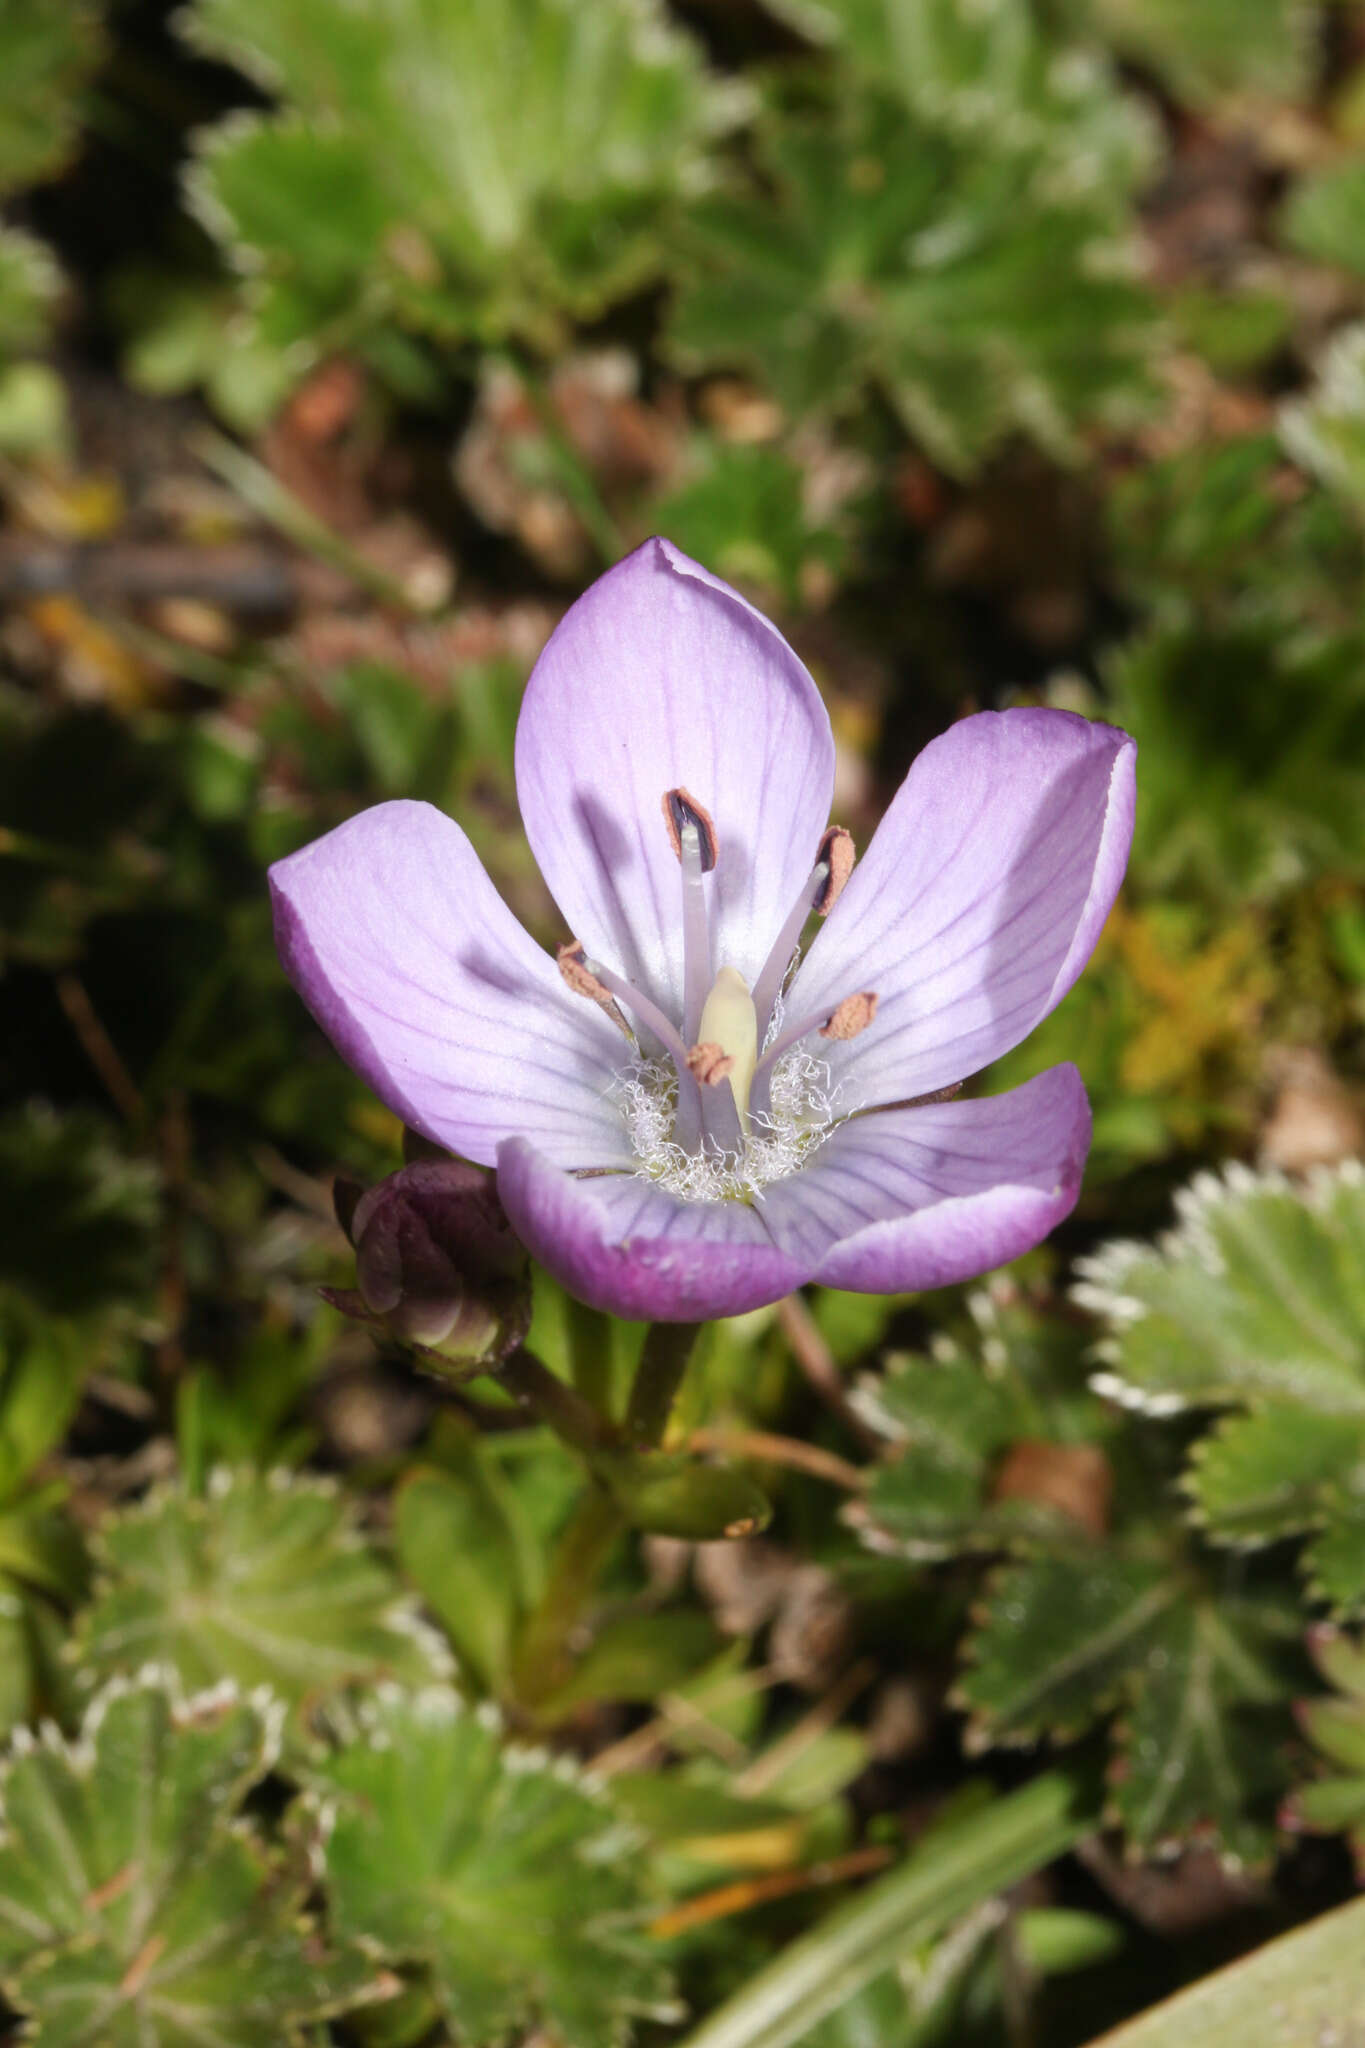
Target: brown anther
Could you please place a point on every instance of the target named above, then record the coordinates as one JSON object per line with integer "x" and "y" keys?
{"x": 838, "y": 853}
{"x": 853, "y": 1015}
{"x": 681, "y": 810}
{"x": 708, "y": 1064}
{"x": 573, "y": 966}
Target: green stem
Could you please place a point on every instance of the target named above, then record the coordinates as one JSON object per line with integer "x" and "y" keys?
{"x": 590, "y": 1355}
{"x": 663, "y": 1363}
{"x": 545, "y": 1649}
{"x": 534, "y": 1386}
{"x": 272, "y": 501}
{"x": 544, "y": 1652}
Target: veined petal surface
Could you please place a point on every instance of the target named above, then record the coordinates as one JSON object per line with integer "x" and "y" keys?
{"x": 978, "y": 902}
{"x": 622, "y": 1244}
{"x": 408, "y": 958}
{"x": 662, "y": 677}
{"x": 912, "y": 1198}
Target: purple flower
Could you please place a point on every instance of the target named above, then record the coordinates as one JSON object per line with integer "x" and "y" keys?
{"x": 682, "y": 1126}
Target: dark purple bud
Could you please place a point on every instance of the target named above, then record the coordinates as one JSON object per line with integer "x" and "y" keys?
{"x": 437, "y": 1263}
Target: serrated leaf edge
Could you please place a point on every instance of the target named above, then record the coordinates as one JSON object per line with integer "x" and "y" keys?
{"x": 1101, "y": 1286}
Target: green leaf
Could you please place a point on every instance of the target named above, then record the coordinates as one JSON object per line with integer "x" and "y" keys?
{"x": 963, "y": 1862}
{"x": 136, "y": 1910}
{"x": 1293, "y": 1991}
{"x": 1257, "y": 1296}
{"x": 1200, "y": 1677}
{"x": 42, "y": 1363}
{"x": 1337, "y": 1728}
{"x": 1252, "y": 735}
{"x": 264, "y": 1581}
{"x": 1258, "y": 1477}
{"x": 1335, "y": 1725}
{"x": 77, "y": 1212}
{"x": 29, "y": 284}
{"x": 462, "y": 1541}
{"x": 668, "y": 1493}
{"x": 46, "y": 55}
{"x": 1198, "y": 1754}
{"x": 992, "y": 73}
{"x": 952, "y": 1416}
{"x": 746, "y": 515}
{"x": 638, "y": 1657}
{"x": 495, "y": 1868}
{"x": 1335, "y": 1560}
{"x": 462, "y": 170}
{"x": 1324, "y": 216}
{"x": 876, "y": 250}
{"x": 1057, "y": 1642}
{"x": 1256, "y": 1299}
{"x": 1209, "y": 49}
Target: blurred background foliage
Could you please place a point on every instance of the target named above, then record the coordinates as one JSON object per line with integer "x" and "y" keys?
{"x": 1010, "y": 352}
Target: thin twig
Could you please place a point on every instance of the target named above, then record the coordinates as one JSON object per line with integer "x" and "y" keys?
{"x": 635, "y": 1750}
{"x": 766, "y": 1769}
{"x": 98, "y": 1046}
{"x": 820, "y": 1366}
{"x": 763, "y": 1446}
{"x": 746, "y": 1892}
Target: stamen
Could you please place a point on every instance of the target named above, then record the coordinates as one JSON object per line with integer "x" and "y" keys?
{"x": 851, "y": 1016}
{"x": 838, "y": 853}
{"x": 574, "y": 969}
{"x": 681, "y": 810}
{"x": 845, "y": 1020}
{"x": 773, "y": 972}
{"x": 688, "y": 1128}
{"x": 696, "y": 928}
{"x": 642, "y": 1007}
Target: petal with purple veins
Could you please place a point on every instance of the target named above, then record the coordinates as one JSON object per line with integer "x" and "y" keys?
{"x": 662, "y": 678}
{"x": 978, "y": 902}
{"x": 623, "y": 1245}
{"x": 413, "y": 965}
{"x": 911, "y": 1198}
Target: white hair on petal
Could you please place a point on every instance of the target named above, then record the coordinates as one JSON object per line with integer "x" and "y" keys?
{"x": 781, "y": 1139}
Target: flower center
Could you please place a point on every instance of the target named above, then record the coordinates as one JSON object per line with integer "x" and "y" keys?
{"x": 733, "y": 1100}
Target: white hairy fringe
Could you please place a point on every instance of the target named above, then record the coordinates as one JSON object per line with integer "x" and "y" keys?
{"x": 781, "y": 1139}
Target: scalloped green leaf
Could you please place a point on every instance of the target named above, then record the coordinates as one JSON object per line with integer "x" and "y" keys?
{"x": 1335, "y": 1560}
{"x": 1258, "y": 1295}
{"x": 1201, "y": 1680}
{"x": 46, "y": 55}
{"x": 1056, "y": 1641}
{"x": 1256, "y": 1299}
{"x": 136, "y": 1909}
{"x": 265, "y": 1580}
{"x": 1335, "y": 1725}
{"x": 496, "y": 1868}
{"x": 871, "y": 249}
{"x": 1258, "y": 1477}
{"x": 993, "y": 72}
{"x": 469, "y": 171}
{"x": 951, "y": 1416}
{"x": 1199, "y": 1753}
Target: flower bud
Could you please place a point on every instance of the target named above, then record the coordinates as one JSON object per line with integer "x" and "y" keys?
{"x": 437, "y": 1263}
